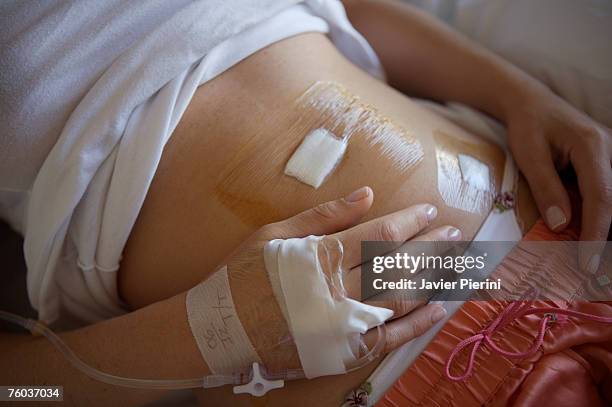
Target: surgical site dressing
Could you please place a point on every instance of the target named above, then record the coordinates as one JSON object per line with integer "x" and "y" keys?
{"x": 316, "y": 157}
{"x": 274, "y": 313}
{"x": 322, "y": 136}
{"x": 342, "y": 116}
{"x": 323, "y": 145}
{"x": 464, "y": 181}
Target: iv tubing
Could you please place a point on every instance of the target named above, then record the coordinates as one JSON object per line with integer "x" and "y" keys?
{"x": 36, "y": 328}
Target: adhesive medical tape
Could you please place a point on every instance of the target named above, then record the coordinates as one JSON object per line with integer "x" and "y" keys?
{"x": 323, "y": 328}
{"x": 215, "y": 325}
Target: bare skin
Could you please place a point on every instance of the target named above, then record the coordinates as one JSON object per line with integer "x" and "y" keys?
{"x": 545, "y": 133}
{"x": 420, "y": 57}
{"x": 38, "y": 362}
{"x": 259, "y": 92}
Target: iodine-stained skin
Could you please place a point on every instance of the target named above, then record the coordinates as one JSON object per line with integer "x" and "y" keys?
{"x": 466, "y": 175}
{"x": 370, "y": 137}
{"x": 467, "y": 178}
{"x": 346, "y": 116}
{"x": 221, "y": 175}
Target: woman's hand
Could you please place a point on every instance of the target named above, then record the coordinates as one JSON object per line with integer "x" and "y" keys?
{"x": 546, "y": 135}
{"x": 424, "y": 57}
{"x": 338, "y": 219}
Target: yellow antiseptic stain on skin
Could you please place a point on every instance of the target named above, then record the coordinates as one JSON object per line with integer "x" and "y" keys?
{"x": 255, "y": 176}
{"x": 472, "y": 187}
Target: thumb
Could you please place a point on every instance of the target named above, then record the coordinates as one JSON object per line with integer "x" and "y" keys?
{"x": 326, "y": 218}
{"x": 548, "y": 191}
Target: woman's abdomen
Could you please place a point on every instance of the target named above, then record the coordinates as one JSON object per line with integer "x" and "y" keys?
{"x": 222, "y": 173}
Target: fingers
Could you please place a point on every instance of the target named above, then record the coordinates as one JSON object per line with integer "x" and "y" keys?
{"x": 326, "y": 218}
{"x": 352, "y": 279}
{"x": 444, "y": 233}
{"x": 402, "y": 330}
{"x": 595, "y": 183}
{"x": 412, "y": 325}
{"x": 399, "y": 306}
{"x": 550, "y": 195}
{"x": 396, "y": 227}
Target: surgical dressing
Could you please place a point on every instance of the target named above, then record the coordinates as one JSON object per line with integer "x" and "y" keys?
{"x": 474, "y": 172}
{"x": 464, "y": 181}
{"x": 249, "y": 338}
{"x": 326, "y": 137}
{"x": 345, "y": 116}
{"x": 316, "y": 158}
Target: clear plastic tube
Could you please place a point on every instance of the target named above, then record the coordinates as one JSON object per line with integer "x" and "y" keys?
{"x": 206, "y": 382}
{"x": 37, "y": 328}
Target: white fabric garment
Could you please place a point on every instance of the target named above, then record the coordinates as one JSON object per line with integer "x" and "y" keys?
{"x": 109, "y": 92}
{"x": 322, "y": 327}
{"x": 57, "y": 54}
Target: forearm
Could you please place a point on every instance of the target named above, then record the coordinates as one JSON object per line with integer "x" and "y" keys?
{"x": 425, "y": 58}
{"x": 154, "y": 342}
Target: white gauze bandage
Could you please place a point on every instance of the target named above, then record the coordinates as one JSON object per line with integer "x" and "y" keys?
{"x": 216, "y": 327}
{"x": 474, "y": 172}
{"x": 324, "y": 328}
{"x": 316, "y": 157}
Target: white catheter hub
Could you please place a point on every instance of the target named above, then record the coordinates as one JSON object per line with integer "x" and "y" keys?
{"x": 259, "y": 385}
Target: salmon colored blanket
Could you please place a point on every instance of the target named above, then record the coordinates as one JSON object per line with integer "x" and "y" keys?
{"x": 572, "y": 367}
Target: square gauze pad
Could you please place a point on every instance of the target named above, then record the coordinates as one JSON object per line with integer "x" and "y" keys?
{"x": 474, "y": 172}
{"x": 317, "y": 156}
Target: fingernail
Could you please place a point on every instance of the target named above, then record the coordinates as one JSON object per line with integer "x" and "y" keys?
{"x": 438, "y": 314}
{"x": 358, "y": 195}
{"x": 593, "y": 264}
{"x": 431, "y": 212}
{"x": 555, "y": 217}
{"x": 454, "y": 234}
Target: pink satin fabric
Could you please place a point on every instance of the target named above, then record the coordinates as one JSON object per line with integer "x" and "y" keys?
{"x": 572, "y": 368}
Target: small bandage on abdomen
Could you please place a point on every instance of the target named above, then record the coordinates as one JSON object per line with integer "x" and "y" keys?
{"x": 464, "y": 181}
{"x": 341, "y": 117}
{"x": 316, "y": 158}
{"x": 328, "y": 141}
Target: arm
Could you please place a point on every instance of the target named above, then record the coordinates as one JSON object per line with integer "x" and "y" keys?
{"x": 424, "y": 57}
{"x": 154, "y": 342}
